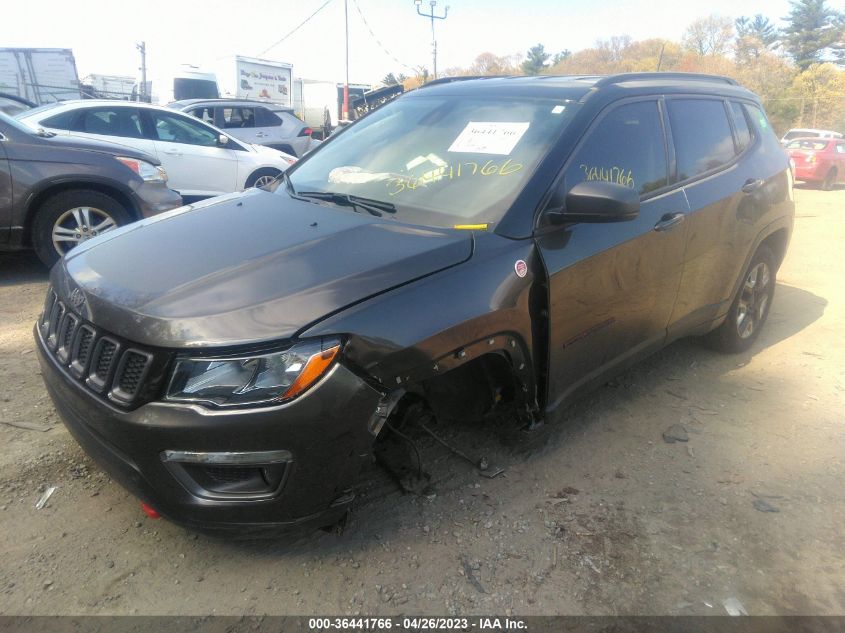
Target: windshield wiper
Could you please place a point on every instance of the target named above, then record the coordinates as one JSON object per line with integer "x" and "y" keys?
{"x": 373, "y": 207}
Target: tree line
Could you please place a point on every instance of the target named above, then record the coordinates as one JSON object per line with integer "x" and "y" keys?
{"x": 796, "y": 69}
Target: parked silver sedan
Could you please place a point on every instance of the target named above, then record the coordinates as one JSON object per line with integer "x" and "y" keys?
{"x": 259, "y": 122}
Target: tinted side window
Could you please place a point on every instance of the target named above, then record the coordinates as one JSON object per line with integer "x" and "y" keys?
{"x": 178, "y": 129}
{"x": 203, "y": 113}
{"x": 703, "y": 139}
{"x": 266, "y": 118}
{"x": 63, "y": 121}
{"x": 110, "y": 121}
{"x": 743, "y": 133}
{"x": 238, "y": 117}
{"x": 761, "y": 125}
{"x": 625, "y": 147}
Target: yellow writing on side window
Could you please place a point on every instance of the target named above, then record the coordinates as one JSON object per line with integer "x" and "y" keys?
{"x": 619, "y": 175}
{"x": 452, "y": 171}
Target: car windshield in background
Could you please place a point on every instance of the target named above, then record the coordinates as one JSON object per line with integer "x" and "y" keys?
{"x": 805, "y": 144}
{"x": 438, "y": 161}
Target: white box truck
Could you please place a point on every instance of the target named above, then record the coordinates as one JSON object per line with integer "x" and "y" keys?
{"x": 41, "y": 75}
{"x": 242, "y": 77}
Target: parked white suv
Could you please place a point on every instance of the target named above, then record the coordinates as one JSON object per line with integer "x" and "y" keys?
{"x": 805, "y": 132}
{"x": 200, "y": 159}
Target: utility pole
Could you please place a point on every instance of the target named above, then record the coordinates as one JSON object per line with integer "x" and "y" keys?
{"x": 346, "y": 85}
{"x": 142, "y": 92}
{"x": 433, "y": 17}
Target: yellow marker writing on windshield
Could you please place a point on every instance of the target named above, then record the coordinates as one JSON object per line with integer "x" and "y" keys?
{"x": 471, "y": 227}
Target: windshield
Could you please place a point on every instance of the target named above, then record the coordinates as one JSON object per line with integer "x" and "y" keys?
{"x": 439, "y": 161}
{"x": 805, "y": 144}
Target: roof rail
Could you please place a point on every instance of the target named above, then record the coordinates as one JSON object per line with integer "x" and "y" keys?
{"x": 448, "y": 80}
{"x": 615, "y": 79}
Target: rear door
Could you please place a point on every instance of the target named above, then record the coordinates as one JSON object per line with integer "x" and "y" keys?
{"x": 195, "y": 162}
{"x": 724, "y": 186}
{"x": 612, "y": 286}
{"x": 114, "y": 124}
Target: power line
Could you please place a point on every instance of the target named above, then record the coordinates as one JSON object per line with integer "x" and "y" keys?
{"x": 387, "y": 52}
{"x": 301, "y": 24}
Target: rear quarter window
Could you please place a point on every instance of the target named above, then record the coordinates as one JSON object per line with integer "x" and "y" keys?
{"x": 63, "y": 121}
{"x": 702, "y": 134}
{"x": 743, "y": 132}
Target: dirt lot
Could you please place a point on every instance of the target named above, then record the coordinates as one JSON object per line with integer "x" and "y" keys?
{"x": 596, "y": 513}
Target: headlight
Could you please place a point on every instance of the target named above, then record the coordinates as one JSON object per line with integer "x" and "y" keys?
{"x": 260, "y": 379}
{"x": 147, "y": 171}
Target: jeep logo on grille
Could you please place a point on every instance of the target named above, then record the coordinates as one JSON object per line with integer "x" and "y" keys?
{"x": 76, "y": 298}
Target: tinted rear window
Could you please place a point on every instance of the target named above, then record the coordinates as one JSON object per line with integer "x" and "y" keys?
{"x": 703, "y": 139}
{"x": 806, "y": 144}
{"x": 63, "y": 121}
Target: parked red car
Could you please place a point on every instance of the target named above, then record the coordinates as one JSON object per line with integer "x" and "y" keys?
{"x": 820, "y": 161}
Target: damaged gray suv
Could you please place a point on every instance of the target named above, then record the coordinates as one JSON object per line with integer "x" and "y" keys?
{"x": 503, "y": 239}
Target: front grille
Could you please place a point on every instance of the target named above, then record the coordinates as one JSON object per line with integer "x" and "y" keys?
{"x": 108, "y": 365}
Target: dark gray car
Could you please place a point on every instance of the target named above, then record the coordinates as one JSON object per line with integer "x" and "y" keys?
{"x": 57, "y": 192}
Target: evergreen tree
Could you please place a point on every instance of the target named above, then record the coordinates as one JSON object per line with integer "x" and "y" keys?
{"x": 758, "y": 27}
{"x": 813, "y": 31}
{"x": 537, "y": 58}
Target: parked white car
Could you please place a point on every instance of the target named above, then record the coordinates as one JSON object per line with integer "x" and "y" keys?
{"x": 200, "y": 159}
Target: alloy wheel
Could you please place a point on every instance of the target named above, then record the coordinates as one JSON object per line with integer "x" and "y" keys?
{"x": 753, "y": 300}
{"x": 76, "y": 225}
{"x": 262, "y": 181}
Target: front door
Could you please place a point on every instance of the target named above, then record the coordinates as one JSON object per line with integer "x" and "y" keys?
{"x": 612, "y": 286}
{"x": 196, "y": 164}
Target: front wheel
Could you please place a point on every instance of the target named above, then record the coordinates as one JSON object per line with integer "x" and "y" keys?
{"x": 829, "y": 181}
{"x": 72, "y": 217}
{"x": 751, "y": 306}
{"x": 262, "y": 178}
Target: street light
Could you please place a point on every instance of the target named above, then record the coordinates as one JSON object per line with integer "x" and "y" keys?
{"x": 433, "y": 17}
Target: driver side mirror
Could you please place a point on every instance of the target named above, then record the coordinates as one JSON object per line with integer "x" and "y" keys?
{"x": 596, "y": 202}
{"x": 222, "y": 140}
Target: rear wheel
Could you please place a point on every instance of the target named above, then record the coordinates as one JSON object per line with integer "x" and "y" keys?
{"x": 751, "y": 306}
{"x": 72, "y": 217}
{"x": 262, "y": 177}
{"x": 829, "y": 181}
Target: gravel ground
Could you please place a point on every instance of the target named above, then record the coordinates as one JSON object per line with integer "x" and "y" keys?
{"x": 596, "y": 513}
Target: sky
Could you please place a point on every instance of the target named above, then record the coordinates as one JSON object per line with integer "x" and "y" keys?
{"x": 103, "y": 34}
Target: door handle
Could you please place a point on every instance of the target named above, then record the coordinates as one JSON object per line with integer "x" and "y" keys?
{"x": 260, "y": 134}
{"x": 668, "y": 221}
{"x": 752, "y": 184}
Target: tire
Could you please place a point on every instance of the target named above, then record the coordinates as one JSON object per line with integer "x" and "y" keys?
{"x": 829, "y": 182}
{"x": 750, "y": 307}
{"x": 64, "y": 216}
{"x": 262, "y": 177}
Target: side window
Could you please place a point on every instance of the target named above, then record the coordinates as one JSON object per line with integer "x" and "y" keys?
{"x": 124, "y": 122}
{"x": 743, "y": 133}
{"x": 203, "y": 114}
{"x": 238, "y": 117}
{"x": 626, "y": 147}
{"x": 703, "y": 139}
{"x": 178, "y": 129}
{"x": 266, "y": 118}
{"x": 63, "y": 121}
{"x": 840, "y": 148}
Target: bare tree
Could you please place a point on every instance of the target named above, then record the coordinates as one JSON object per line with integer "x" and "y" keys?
{"x": 709, "y": 36}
